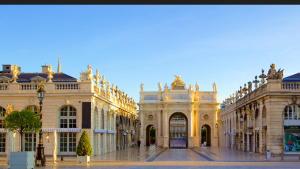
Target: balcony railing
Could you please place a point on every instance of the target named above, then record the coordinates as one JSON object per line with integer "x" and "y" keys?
{"x": 28, "y": 86}
{"x": 290, "y": 86}
{"x": 66, "y": 86}
{"x": 3, "y": 86}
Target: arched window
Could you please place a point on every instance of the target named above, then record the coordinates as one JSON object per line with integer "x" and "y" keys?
{"x": 67, "y": 117}
{"x": 264, "y": 112}
{"x": 67, "y": 140}
{"x": 102, "y": 119}
{"x": 256, "y": 113}
{"x": 2, "y": 135}
{"x": 32, "y": 108}
{"x": 291, "y": 112}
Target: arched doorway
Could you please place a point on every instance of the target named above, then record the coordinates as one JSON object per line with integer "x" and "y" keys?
{"x": 178, "y": 131}
{"x": 150, "y": 135}
{"x": 206, "y": 135}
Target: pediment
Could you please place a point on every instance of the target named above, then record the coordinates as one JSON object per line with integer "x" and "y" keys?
{"x": 37, "y": 79}
{"x": 4, "y": 79}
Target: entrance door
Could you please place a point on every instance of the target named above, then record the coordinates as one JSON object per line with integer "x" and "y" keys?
{"x": 206, "y": 135}
{"x": 178, "y": 131}
{"x": 150, "y": 135}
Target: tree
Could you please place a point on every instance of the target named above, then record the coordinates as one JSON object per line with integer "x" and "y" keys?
{"x": 22, "y": 121}
{"x": 84, "y": 146}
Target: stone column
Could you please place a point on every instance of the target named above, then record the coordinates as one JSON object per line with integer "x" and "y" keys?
{"x": 55, "y": 146}
{"x": 166, "y": 132}
{"x": 142, "y": 129}
{"x": 197, "y": 127}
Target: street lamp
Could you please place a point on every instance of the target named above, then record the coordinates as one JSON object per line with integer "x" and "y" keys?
{"x": 40, "y": 149}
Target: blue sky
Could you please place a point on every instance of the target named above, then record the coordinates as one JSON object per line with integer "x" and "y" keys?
{"x": 228, "y": 45}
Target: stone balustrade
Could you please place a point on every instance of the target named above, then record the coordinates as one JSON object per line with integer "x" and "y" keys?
{"x": 290, "y": 86}
{"x": 67, "y": 86}
{"x": 27, "y": 86}
{"x": 3, "y": 86}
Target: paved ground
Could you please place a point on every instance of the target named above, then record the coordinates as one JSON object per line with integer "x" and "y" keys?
{"x": 157, "y": 158}
{"x": 179, "y": 155}
{"x": 131, "y": 154}
{"x": 183, "y": 165}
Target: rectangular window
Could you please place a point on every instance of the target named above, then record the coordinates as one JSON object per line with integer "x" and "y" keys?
{"x": 63, "y": 123}
{"x": 2, "y": 142}
{"x": 72, "y": 142}
{"x": 63, "y": 142}
{"x": 72, "y": 123}
{"x": 30, "y": 141}
{"x": 67, "y": 142}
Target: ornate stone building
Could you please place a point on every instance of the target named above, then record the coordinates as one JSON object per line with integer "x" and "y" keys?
{"x": 70, "y": 106}
{"x": 178, "y": 117}
{"x": 265, "y": 116}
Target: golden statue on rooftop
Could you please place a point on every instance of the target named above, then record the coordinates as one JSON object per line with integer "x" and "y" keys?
{"x": 178, "y": 83}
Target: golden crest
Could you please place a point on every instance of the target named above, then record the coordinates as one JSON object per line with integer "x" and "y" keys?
{"x": 178, "y": 83}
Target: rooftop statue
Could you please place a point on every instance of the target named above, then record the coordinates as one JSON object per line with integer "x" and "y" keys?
{"x": 197, "y": 86}
{"x": 142, "y": 87}
{"x": 178, "y": 83}
{"x": 273, "y": 74}
{"x": 262, "y": 76}
{"x": 159, "y": 86}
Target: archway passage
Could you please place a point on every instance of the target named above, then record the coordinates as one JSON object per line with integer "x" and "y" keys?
{"x": 178, "y": 131}
{"x": 206, "y": 135}
{"x": 150, "y": 135}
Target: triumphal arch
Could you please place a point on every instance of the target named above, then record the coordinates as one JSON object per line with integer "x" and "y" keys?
{"x": 178, "y": 116}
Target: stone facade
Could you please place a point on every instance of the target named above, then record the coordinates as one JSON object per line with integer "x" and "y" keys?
{"x": 265, "y": 117}
{"x": 70, "y": 106}
{"x": 190, "y": 108}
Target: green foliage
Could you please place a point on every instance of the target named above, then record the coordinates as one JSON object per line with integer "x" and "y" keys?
{"x": 22, "y": 121}
{"x": 84, "y": 146}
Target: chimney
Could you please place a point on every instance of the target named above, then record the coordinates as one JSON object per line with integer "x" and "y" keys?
{"x": 46, "y": 68}
{"x": 8, "y": 68}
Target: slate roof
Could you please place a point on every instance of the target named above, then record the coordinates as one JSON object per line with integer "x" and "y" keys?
{"x": 26, "y": 77}
{"x": 292, "y": 78}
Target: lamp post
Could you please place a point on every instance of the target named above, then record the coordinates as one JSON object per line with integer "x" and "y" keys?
{"x": 40, "y": 149}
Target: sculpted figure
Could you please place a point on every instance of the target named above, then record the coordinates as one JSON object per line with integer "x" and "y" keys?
{"x": 178, "y": 82}
{"x": 237, "y": 95}
{"x": 159, "y": 86}
{"x": 249, "y": 86}
{"x": 97, "y": 77}
{"x": 49, "y": 73}
{"x": 89, "y": 72}
{"x": 241, "y": 91}
{"x": 15, "y": 73}
{"x": 142, "y": 87}
{"x": 197, "y": 86}
{"x": 262, "y": 76}
{"x": 245, "y": 89}
{"x": 272, "y": 72}
{"x": 255, "y": 81}
{"x": 280, "y": 74}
